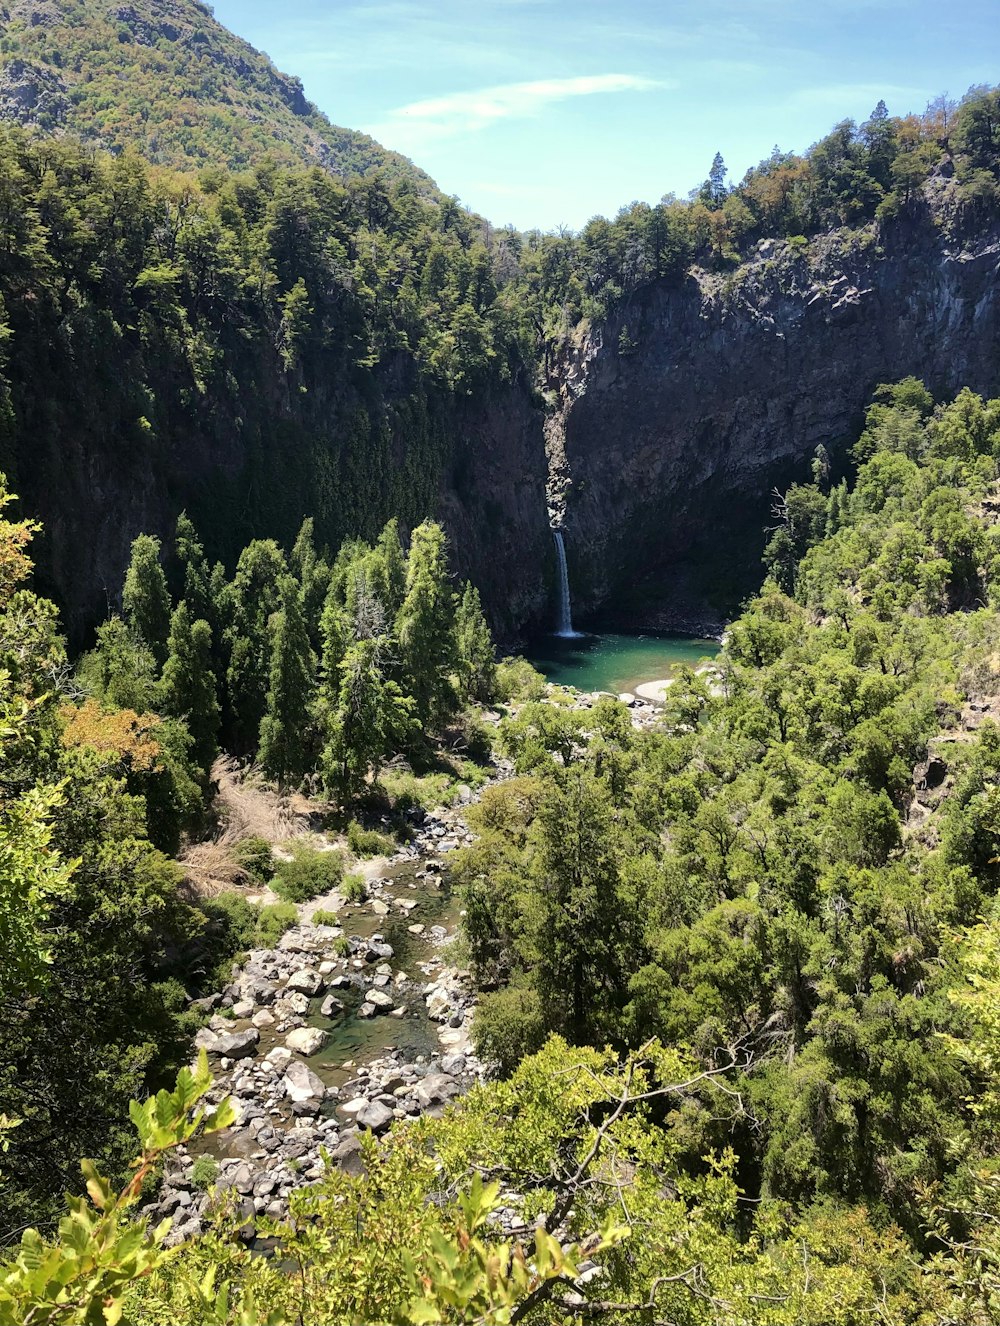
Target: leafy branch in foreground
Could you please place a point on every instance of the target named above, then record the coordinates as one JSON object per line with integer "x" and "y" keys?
{"x": 80, "y": 1277}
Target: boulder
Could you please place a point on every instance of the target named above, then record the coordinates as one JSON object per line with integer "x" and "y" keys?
{"x": 305, "y": 1040}
{"x": 382, "y": 1001}
{"x": 436, "y": 1089}
{"x": 307, "y": 980}
{"x": 302, "y": 1084}
{"x": 375, "y": 1116}
{"x": 279, "y": 1057}
{"x": 262, "y": 1018}
{"x": 331, "y": 1007}
{"x": 235, "y": 1045}
{"x": 243, "y": 1008}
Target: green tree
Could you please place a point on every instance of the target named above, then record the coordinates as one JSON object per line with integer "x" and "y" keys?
{"x": 474, "y": 648}
{"x": 286, "y": 747}
{"x": 370, "y": 719}
{"x": 255, "y": 597}
{"x": 425, "y": 626}
{"x": 145, "y": 597}
{"x": 188, "y": 687}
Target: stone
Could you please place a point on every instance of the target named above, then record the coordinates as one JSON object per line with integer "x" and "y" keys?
{"x": 243, "y": 1008}
{"x": 331, "y": 1007}
{"x": 436, "y": 1089}
{"x": 302, "y": 1085}
{"x": 307, "y": 980}
{"x": 382, "y": 1001}
{"x": 297, "y": 1002}
{"x": 380, "y": 908}
{"x": 417, "y": 929}
{"x": 375, "y": 1116}
{"x": 236, "y": 1045}
{"x": 453, "y": 1064}
{"x": 262, "y": 1018}
{"x": 306, "y": 1040}
{"x": 367, "y": 1010}
{"x": 347, "y": 1155}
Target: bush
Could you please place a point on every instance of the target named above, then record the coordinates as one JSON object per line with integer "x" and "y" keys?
{"x": 204, "y": 1172}
{"x": 272, "y": 923}
{"x": 308, "y": 874}
{"x": 322, "y": 917}
{"x": 368, "y": 842}
{"x": 255, "y": 856}
{"x": 518, "y": 680}
{"x": 354, "y": 889}
{"x": 237, "y": 925}
{"x": 508, "y": 1025}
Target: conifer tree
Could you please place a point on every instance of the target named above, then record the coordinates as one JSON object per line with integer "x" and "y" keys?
{"x": 145, "y": 598}
{"x": 371, "y": 718}
{"x": 285, "y": 743}
{"x": 195, "y": 570}
{"x": 254, "y": 595}
{"x": 474, "y": 647}
{"x": 188, "y": 688}
{"x": 393, "y": 563}
{"x": 425, "y": 626}
{"x": 313, "y": 575}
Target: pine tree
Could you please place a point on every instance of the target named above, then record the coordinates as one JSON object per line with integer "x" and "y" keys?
{"x": 393, "y": 560}
{"x": 425, "y": 626}
{"x": 371, "y": 718}
{"x": 194, "y": 568}
{"x": 285, "y": 744}
{"x": 255, "y": 595}
{"x": 188, "y": 688}
{"x": 145, "y": 598}
{"x": 474, "y": 647}
{"x": 313, "y": 575}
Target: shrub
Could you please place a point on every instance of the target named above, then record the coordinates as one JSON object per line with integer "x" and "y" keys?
{"x": 508, "y": 1025}
{"x": 204, "y": 1172}
{"x": 255, "y": 856}
{"x": 272, "y": 923}
{"x": 518, "y": 680}
{"x": 354, "y": 889}
{"x": 322, "y": 917}
{"x": 308, "y": 874}
{"x": 368, "y": 842}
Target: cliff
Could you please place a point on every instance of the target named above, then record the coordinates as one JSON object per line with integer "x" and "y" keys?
{"x": 677, "y": 417}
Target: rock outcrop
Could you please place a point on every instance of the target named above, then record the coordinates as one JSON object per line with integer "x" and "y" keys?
{"x": 668, "y": 440}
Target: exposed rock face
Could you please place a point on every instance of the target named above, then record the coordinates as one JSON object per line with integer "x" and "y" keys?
{"x": 673, "y": 447}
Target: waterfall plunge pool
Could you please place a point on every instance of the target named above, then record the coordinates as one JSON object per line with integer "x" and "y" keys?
{"x": 616, "y": 663}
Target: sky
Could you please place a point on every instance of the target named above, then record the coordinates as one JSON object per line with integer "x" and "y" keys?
{"x": 544, "y": 113}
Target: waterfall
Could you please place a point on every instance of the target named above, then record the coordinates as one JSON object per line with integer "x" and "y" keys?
{"x": 564, "y": 615}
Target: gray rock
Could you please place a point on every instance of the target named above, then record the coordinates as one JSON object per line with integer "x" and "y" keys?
{"x": 236, "y": 1045}
{"x": 331, "y": 1007}
{"x": 436, "y": 1089}
{"x": 375, "y": 1116}
{"x": 306, "y": 1040}
{"x": 307, "y": 980}
{"x": 382, "y": 1001}
{"x": 302, "y": 1084}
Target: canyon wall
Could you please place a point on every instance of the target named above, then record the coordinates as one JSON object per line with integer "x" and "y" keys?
{"x": 679, "y": 415}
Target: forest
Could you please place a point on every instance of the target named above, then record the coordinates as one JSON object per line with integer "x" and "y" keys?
{"x": 735, "y": 972}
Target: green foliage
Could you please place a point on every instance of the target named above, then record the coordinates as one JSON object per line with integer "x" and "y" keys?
{"x": 368, "y": 842}
{"x": 145, "y": 598}
{"x": 309, "y": 873}
{"x": 354, "y": 889}
{"x": 204, "y": 1172}
{"x": 255, "y": 856}
{"x": 188, "y": 686}
{"x": 323, "y": 917}
{"x": 284, "y": 749}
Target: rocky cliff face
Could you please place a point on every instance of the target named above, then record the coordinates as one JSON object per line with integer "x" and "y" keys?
{"x": 679, "y": 415}
{"x": 254, "y": 461}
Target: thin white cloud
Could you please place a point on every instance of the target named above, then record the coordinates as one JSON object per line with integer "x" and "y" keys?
{"x": 469, "y": 112}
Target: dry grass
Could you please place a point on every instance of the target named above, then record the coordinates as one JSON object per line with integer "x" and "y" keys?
{"x": 246, "y": 808}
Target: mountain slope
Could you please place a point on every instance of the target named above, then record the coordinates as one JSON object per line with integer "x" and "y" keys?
{"x": 166, "y": 78}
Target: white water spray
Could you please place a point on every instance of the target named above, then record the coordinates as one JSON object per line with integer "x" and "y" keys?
{"x": 564, "y": 616}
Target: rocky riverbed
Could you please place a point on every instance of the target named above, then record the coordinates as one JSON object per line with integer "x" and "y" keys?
{"x": 337, "y": 1030}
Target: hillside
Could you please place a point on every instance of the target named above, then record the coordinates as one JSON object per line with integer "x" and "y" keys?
{"x": 164, "y": 77}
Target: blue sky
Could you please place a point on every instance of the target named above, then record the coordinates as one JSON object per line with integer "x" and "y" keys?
{"x": 545, "y": 112}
